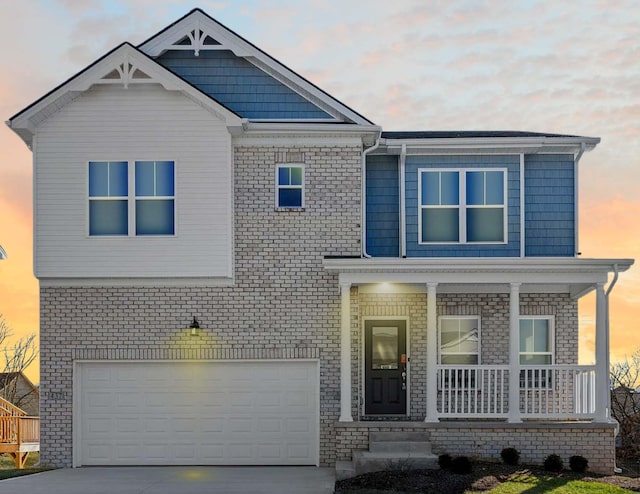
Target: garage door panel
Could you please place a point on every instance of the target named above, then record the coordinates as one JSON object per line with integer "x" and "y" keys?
{"x": 218, "y": 413}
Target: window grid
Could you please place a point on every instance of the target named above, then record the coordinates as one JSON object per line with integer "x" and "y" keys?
{"x": 130, "y": 197}
{"x": 459, "y": 320}
{"x": 534, "y": 378}
{"x": 464, "y": 208}
{"x": 289, "y": 180}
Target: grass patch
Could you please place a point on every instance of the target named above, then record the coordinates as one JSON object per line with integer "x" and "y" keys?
{"x": 8, "y": 468}
{"x": 526, "y": 482}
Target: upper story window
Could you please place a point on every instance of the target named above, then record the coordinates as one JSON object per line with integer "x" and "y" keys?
{"x": 462, "y": 206}
{"x": 155, "y": 198}
{"x": 290, "y": 186}
{"x": 108, "y": 198}
{"x": 125, "y": 199}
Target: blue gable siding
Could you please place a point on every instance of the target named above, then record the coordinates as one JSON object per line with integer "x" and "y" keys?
{"x": 240, "y": 85}
{"x": 510, "y": 249}
{"x": 549, "y": 205}
{"x": 383, "y": 206}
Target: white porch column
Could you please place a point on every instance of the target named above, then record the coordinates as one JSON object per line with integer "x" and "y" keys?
{"x": 432, "y": 355}
{"x": 514, "y": 353}
{"x": 345, "y": 352}
{"x": 602, "y": 357}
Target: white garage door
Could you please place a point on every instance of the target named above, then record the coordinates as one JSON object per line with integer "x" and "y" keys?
{"x": 197, "y": 413}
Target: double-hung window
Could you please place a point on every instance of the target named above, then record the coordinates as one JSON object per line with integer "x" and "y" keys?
{"x": 108, "y": 198}
{"x": 459, "y": 345}
{"x": 131, "y": 198}
{"x": 536, "y": 348}
{"x": 462, "y": 206}
{"x": 290, "y": 186}
{"x": 155, "y": 199}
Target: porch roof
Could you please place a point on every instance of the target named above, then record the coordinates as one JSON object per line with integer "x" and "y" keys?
{"x": 492, "y": 275}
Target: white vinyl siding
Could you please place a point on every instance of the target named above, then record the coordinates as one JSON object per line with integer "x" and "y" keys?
{"x": 110, "y": 123}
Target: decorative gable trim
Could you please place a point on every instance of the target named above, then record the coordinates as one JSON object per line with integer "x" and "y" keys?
{"x": 124, "y": 65}
{"x": 198, "y": 31}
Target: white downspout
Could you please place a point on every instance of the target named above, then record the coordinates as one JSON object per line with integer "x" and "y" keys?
{"x": 522, "y": 202}
{"x": 363, "y": 197}
{"x": 403, "y": 224}
{"x": 616, "y": 469}
{"x": 576, "y": 161}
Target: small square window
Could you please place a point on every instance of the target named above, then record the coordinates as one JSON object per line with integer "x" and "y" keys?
{"x": 290, "y": 186}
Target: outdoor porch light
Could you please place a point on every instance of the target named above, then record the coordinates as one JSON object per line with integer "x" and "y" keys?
{"x": 194, "y": 327}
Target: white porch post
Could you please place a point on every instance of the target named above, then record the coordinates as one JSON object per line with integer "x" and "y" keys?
{"x": 432, "y": 354}
{"x": 602, "y": 357}
{"x": 514, "y": 353}
{"x": 345, "y": 352}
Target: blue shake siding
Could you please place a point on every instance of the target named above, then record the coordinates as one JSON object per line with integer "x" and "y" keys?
{"x": 549, "y": 205}
{"x": 240, "y": 85}
{"x": 383, "y": 206}
{"x": 510, "y": 249}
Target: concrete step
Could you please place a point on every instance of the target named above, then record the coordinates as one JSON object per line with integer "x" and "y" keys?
{"x": 345, "y": 470}
{"x": 374, "y": 461}
{"x": 400, "y": 446}
{"x": 399, "y": 436}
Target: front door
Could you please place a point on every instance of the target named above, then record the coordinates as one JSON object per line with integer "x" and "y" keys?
{"x": 385, "y": 363}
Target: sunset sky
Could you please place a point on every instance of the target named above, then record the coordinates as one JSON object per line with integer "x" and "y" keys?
{"x": 552, "y": 66}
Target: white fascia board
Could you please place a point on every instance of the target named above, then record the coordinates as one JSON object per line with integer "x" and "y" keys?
{"x": 25, "y": 122}
{"x": 242, "y": 48}
{"x": 258, "y": 133}
{"x": 492, "y": 145}
{"x": 494, "y": 270}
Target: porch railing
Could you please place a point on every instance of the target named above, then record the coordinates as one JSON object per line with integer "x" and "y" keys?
{"x": 19, "y": 430}
{"x": 546, "y": 391}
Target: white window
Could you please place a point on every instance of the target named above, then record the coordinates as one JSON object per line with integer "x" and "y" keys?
{"x": 462, "y": 206}
{"x": 131, "y": 200}
{"x": 155, "y": 199}
{"x": 459, "y": 338}
{"x": 290, "y": 186}
{"x": 536, "y": 348}
{"x": 108, "y": 198}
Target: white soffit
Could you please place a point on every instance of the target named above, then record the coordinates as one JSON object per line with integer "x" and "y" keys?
{"x": 455, "y": 271}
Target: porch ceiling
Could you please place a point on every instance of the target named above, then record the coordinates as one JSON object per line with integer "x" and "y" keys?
{"x": 489, "y": 275}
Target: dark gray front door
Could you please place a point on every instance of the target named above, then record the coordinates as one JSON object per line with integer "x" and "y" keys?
{"x": 385, "y": 367}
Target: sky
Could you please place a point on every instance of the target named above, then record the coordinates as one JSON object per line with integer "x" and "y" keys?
{"x": 550, "y": 66}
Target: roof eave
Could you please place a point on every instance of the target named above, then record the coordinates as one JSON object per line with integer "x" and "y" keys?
{"x": 517, "y": 145}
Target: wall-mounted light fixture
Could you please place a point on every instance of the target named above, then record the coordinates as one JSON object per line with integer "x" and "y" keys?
{"x": 194, "y": 327}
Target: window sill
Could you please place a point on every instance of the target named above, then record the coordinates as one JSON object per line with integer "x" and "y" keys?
{"x": 289, "y": 210}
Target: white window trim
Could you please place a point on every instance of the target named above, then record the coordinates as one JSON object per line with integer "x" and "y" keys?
{"x": 551, "y": 336}
{"x": 462, "y": 206}
{"x": 131, "y": 199}
{"x": 548, "y": 379}
{"x": 154, "y": 198}
{"x": 278, "y": 187}
{"x": 449, "y": 317}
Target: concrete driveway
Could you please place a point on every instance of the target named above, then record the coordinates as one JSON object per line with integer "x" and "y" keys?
{"x": 176, "y": 480}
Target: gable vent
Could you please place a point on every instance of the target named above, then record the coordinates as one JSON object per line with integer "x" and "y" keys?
{"x": 125, "y": 73}
{"x": 196, "y": 40}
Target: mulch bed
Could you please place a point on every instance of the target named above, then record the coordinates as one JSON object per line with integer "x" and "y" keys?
{"x": 485, "y": 476}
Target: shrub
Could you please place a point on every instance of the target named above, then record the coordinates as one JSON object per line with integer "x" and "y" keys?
{"x": 578, "y": 464}
{"x": 553, "y": 463}
{"x": 461, "y": 465}
{"x": 510, "y": 456}
{"x": 444, "y": 461}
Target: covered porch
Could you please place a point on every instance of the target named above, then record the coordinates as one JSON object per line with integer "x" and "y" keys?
{"x": 515, "y": 383}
